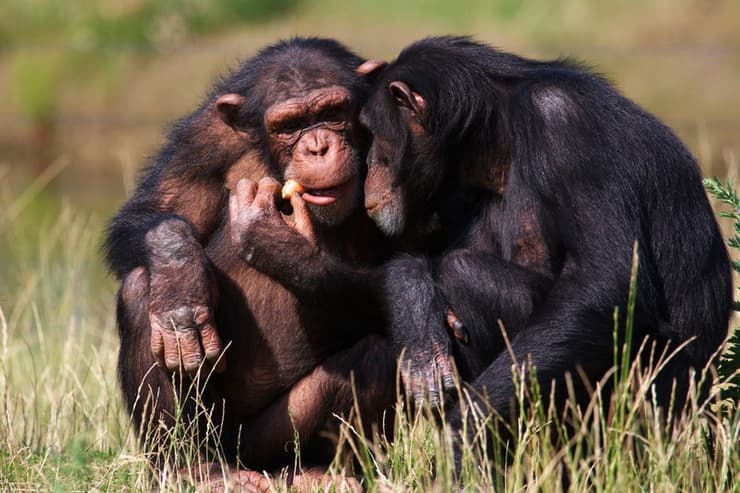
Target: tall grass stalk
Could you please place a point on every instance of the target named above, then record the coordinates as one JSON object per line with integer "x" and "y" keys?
{"x": 63, "y": 426}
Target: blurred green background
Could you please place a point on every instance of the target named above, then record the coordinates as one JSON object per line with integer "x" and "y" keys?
{"x": 87, "y": 87}
{"x": 86, "y": 91}
{"x": 90, "y": 85}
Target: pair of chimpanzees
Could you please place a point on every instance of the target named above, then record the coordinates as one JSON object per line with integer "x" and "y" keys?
{"x": 499, "y": 188}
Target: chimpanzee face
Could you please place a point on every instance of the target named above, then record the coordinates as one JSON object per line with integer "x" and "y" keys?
{"x": 384, "y": 201}
{"x": 309, "y": 134}
{"x": 395, "y": 186}
{"x": 314, "y": 139}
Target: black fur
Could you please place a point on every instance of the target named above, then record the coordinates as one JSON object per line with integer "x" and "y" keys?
{"x": 589, "y": 172}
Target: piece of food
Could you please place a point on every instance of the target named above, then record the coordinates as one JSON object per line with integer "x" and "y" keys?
{"x": 291, "y": 187}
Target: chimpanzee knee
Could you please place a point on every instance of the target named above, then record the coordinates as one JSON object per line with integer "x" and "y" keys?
{"x": 146, "y": 387}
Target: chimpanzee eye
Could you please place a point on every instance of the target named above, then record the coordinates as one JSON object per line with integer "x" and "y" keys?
{"x": 333, "y": 115}
{"x": 290, "y": 127}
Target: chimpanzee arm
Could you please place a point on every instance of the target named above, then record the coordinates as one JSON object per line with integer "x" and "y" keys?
{"x": 289, "y": 255}
{"x": 564, "y": 334}
{"x": 305, "y": 269}
{"x": 163, "y": 226}
{"x": 480, "y": 288}
{"x": 184, "y": 183}
{"x": 285, "y": 250}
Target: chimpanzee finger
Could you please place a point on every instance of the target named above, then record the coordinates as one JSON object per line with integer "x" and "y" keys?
{"x": 417, "y": 388}
{"x": 246, "y": 191}
{"x": 431, "y": 382}
{"x": 171, "y": 350}
{"x": 234, "y": 224}
{"x": 405, "y": 370}
{"x": 191, "y": 352}
{"x": 240, "y": 199}
{"x": 301, "y": 218}
{"x": 157, "y": 343}
{"x": 412, "y": 382}
{"x": 447, "y": 374}
{"x": 209, "y": 338}
{"x": 268, "y": 194}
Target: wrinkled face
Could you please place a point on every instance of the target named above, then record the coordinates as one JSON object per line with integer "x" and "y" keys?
{"x": 384, "y": 200}
{"x": 394, "y": 115}
{"x": 308, "y": 132}
{"x": 314, "y": 139}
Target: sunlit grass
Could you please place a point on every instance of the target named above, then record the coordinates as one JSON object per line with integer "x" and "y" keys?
{"x": 63, "y": 426}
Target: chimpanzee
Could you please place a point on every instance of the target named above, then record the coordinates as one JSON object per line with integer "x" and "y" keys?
{"x": 517, "y": 167}
{"x": 293, "y": 296}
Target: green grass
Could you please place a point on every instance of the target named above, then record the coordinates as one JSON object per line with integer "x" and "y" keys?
{"x": 63, "y": 426}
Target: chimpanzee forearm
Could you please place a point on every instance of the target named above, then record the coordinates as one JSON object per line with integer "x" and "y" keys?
{"x": 125, "y": 247}
{"x": 310, "y": 272}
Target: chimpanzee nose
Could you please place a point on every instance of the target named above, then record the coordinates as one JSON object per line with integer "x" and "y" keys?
{"x": 318, "y": 147}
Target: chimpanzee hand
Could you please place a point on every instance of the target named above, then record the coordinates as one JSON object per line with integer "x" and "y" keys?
{"x": 420, "y": 324}
{"x": 181, "y": 300}
{"x": 429, "y": 363}
{"x": 426, "y": 366}
{"x": 256, "y": 222}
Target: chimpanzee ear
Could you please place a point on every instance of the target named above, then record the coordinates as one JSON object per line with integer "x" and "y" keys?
{"x": 370, "y": 68}
{"x": 228, "y": 106}
{"x": 407, "y": 98}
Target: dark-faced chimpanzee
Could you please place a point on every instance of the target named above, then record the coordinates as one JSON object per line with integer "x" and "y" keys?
{"x": 293, "y": 297}
{"x": 523, "y": 167}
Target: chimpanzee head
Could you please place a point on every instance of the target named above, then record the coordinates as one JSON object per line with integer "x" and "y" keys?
{"x": 433, "y": 132}
{"x": 298, "y": 102}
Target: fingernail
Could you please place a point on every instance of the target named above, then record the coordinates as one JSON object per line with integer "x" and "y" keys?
{"x": 448, "y": 382}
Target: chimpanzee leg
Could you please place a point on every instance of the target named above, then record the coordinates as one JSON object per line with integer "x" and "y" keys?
{"x": 483, "y": 290}
{"x": 150, "y": 391}
{"x": 479, "y": 288}
{"x": 308, "y": 409}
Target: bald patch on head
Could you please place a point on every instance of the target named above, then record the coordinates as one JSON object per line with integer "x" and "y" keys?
{"x": 554, "y": 104}
{"x": 297, "y": 73}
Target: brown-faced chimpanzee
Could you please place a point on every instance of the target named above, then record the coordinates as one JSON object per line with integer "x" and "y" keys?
{"x": 518, "y": 166}
{"x": 294, "y": 298}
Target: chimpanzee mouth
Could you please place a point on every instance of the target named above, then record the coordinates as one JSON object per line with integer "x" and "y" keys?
{"x": 325, "y": 196}
{"x": 374, "y": 205}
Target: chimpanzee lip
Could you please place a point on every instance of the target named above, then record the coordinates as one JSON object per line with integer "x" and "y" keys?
{"x": 325, "y": 196}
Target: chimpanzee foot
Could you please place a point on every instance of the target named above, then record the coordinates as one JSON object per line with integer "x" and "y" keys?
{"x": 242, "y": 481}
{"x": 316, "y": 478}
{"x": 248, "y": 481}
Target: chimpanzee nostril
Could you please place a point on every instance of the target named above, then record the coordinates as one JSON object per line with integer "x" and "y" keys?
{"x": 318, "y": 148}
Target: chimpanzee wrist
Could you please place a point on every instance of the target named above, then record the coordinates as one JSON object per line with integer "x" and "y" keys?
{"x": 172, "y": 241}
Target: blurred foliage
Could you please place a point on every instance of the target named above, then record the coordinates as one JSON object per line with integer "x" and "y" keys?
{"x": 88, "y": 33}
{"x": 95, "y": 24}
{"x": 34, "y": 79}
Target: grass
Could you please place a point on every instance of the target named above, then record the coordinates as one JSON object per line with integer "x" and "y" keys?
{"x": 63, "y": 426}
